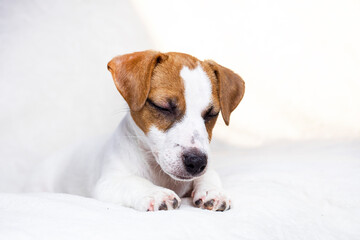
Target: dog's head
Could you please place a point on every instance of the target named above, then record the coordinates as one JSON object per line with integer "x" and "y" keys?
{"x": 175, "y": 100}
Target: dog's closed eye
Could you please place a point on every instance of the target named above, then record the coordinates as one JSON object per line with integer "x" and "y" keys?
{"x": 168, "y": 108}
{"x": 209, "y": 114}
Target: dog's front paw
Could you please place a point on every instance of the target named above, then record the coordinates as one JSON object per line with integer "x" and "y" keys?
{"x": 158, "y": 199}
{"x": 212, "y": 199}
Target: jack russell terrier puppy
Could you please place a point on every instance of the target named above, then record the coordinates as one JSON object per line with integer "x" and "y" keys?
{"x": 160, "y": 150}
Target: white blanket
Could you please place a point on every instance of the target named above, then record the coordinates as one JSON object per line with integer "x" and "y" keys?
{"x": 293, "y": 191}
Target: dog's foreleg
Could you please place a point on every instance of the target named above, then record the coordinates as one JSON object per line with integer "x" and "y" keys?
{"x": 135, "y": 192}
{"x": 208, "y": 193}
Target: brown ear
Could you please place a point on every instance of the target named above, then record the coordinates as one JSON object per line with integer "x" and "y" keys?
{"x": 132, "y": 74}
{"x": 231, "y": 89}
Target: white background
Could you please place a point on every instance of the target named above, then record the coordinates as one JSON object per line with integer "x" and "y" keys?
{"x": 300, "y": 61}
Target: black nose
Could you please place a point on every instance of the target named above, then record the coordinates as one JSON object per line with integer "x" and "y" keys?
{"x": 195, "y": 162}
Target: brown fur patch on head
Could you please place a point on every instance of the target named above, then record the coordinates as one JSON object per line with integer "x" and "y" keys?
{"x": 132, "y": 74}
{"x": 166, "y": 90}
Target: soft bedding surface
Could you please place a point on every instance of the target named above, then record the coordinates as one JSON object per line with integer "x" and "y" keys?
{"x": 286, "y": 191}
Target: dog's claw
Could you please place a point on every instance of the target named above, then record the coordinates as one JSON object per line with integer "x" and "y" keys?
{"x": 175, "y": 203}
{"x": 222, "y": 207}
{"x": 163, "y": 206}
{"x": 198, "y": 202}
{"x": 209, "y": 204}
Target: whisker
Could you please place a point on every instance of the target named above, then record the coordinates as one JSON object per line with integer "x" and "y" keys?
{"x": 121, "y": 110}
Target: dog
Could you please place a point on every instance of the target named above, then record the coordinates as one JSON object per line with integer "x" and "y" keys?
{"x": 160, "y": 150}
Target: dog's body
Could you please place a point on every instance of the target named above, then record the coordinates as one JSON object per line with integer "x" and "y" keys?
{"x": 160, "y": 150}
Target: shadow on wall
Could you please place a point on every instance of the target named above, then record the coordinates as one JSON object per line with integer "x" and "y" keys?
{"x": 54, "y": 87}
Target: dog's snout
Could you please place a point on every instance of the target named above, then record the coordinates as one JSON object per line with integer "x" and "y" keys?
{"x": 195, "y": 162}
